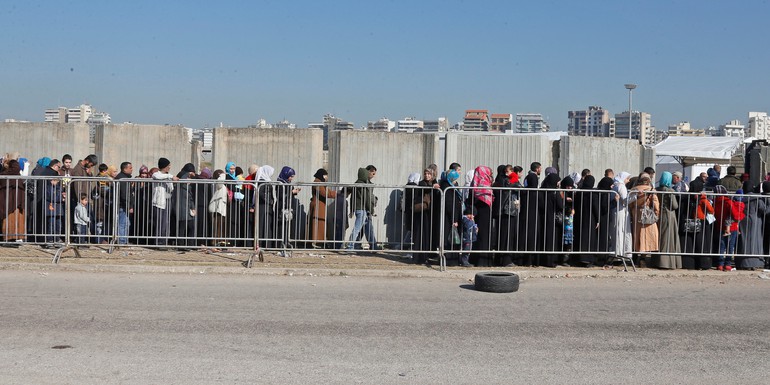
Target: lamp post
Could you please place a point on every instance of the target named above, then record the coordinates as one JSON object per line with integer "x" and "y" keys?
{"x": 630, "y": 87}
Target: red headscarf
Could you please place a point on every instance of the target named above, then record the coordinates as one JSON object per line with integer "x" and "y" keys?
{"x": 513, "y": 178}
{"x": 483, "y": 178}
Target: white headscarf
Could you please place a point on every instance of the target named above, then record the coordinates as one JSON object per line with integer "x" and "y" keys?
{"x": 621, "y": 177}
{"x": 414, "y": 178}
{"x": 265, "y": 173}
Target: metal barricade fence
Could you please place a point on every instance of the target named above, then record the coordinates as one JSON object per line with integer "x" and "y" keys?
{"x": 515, "y": 226}
{"x": 700, "y": 230}
{"x": 531, "y": 226}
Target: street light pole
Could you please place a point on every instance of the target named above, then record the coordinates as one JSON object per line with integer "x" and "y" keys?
{"x": 630, "y": 87}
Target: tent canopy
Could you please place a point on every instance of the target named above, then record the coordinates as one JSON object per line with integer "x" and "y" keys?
{"x": 699, "y": 149}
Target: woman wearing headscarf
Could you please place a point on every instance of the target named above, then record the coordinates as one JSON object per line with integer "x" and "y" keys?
{"x": 12, "y": 196}
{"x": 202, "y": 193}
{"x": 608, "y": 208}
{"x": 551, "y": 208}
{"x": 285, "y": 208}
{"x": 505, "y": 208}
{"x": 751, "y": 232}
{"x": 668, "y": 226}
{"x": 217, "y": 208}
{"x": 587, "y": 214}
{"x": 184, "y": 207}
{"x": 467, "y": 196}
{"x": 765, "y": 191}
{"x": 645, "y": 235}
{"x": 452, "y": 212}
{"x": 265, "y": 200}
{"x": 430, "y": 216}
{"x": 319, "y": 195}
{"x": 482, "y": 198}
{"x": 530, "y": 221}
{"x": 141, "y": 225}
{"x": 623, "y": 239}
{"x": 411, "y": 197}
{"x": 700, "y": 245}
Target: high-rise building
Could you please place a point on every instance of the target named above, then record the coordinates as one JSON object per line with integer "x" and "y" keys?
{"x": 56, "y": 115}
{"x": 732, "y": 128}
{"x": 99, "y": 118}
{"x": 381, "y": 124}
{"x": 527, "y": 122}
{"x": 595, "y": 121}
{"x": 476, "y": 120}
{"x": 79, "y": 114}
{"x": 641, "y": 124}
{"x": 500, "y": 122}
{"x": 759, "y": 125}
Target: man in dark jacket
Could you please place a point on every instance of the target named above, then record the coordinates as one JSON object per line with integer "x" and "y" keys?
{"x": 362, "y": 203}
{"x": 125, "y": 199}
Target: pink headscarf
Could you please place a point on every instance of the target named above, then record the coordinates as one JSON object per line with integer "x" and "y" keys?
{"x": 483, "y": 178}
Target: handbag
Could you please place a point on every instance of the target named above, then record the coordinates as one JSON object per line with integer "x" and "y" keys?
{"x": 454, "y": 236}
{"x": 512, "y": 207}
{"x": 692, "y": 226}
{"x": 648, "y": 215}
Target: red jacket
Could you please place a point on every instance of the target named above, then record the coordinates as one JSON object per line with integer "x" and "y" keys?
{"x": 726, "y": 208}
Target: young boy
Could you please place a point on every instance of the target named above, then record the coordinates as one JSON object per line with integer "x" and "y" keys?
{"x": 82, "y": 219}
{"x": 470, "y": 234}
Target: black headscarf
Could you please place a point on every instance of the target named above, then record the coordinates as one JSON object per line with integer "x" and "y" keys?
{"x": 588, "y": 182}
{"x": 186, "y": 170}
{"x": 551, "y": 181}
{"x": 320, "y": 174}
{"x": 605, "y": 183}
{"x": 567, "y": 182}
{"x": 766, "y": 188}
{"x": 501, "y": 177}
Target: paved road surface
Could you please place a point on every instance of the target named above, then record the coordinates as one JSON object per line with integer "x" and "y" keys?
{"x": 174, "y": 328}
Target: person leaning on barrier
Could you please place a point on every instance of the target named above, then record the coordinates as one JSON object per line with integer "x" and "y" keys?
{"x": 184, "y": 207}
{"x": 264, "y": 204}
{"x": 161, "y": 197}
{"x": 318, "y": 196}
{"x": 668, "y": 226}
{"x": 751, "y": 230}
{"x": 551, "y": 210}
{"x": 452, "y": 212}
{"x": 217, "y": 208}
{"x": 409, "y": 201}
{"x": 362, "y": 205}
{"x": 285, "y": 196}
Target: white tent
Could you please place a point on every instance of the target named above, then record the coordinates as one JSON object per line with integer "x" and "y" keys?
{"x": 689, "y": 150}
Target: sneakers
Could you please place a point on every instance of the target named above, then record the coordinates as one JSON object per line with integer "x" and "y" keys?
{"x": 720, "y": 268}
{"x": 728, "y": 268}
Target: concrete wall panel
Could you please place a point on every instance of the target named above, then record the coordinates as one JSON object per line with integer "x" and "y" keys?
{"x": 143, "y": 144}
{"x": 492, "y": 150}
{"x": 36, "y": 140}
{"x": 599, "y": 154}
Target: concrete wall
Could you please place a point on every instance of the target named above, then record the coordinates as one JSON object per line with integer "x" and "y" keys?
{"x": 143, "y": 144}
{"x": 300, "y": 149}
{"x": 36, "y": 140}
{"x": 599, "y": 154}
{"x": 492, "y": 150}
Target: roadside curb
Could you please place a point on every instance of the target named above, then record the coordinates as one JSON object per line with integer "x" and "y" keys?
{"x": 464, "y": 274}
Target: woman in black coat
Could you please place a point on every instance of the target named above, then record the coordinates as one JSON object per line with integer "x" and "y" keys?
{"x": 587, "y": 214}
{"x": 552, "y": 206}
{"x": 608, "y": 210}
{"x": 452, "y": 212}
{"x": 507, "y": 224}
{"x": 529, "y": 235}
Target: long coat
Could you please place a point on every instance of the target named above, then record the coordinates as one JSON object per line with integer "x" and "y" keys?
{"x": 318, "y": 210}
{"x": 645, "y": 236}
{"x": 12, "y": 194}
{"x": 669, "y": 232}
{"x": 751, "y": 232}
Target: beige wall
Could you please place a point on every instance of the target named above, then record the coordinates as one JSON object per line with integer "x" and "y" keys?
{"x": 37, "y": 139}
{"x": 143, "y": 144}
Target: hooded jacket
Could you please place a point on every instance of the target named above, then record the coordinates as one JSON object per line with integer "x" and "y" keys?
{"x": 363, "y": 197}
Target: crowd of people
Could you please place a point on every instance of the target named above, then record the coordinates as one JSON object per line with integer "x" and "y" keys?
{"x": 502, "y": 218}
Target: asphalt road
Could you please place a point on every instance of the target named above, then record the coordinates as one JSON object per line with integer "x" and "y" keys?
{"x": 74, "y": 327}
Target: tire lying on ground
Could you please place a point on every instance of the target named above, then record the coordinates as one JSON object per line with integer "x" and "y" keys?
{"x": 497, "y": 282}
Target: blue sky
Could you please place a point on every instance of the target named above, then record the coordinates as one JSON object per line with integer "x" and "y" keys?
{"x": 201, "y": 63}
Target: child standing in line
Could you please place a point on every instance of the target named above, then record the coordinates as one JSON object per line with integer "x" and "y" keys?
{"x": 82, "y": 219}
{"x": 54, "y": 199}
{"x": 470, "y": 232}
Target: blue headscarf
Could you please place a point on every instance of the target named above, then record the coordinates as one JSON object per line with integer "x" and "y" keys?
{"x": 227, "y": 170}
{"x": 44, "y": 162}
{"x": 286, "y": 173}
{"x": 665, "y": 179}
{"x": 22, "y": 163}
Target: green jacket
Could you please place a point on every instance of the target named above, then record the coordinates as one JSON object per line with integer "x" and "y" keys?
{"x": 363, "y": 197}
{"x": 732, "y": 183}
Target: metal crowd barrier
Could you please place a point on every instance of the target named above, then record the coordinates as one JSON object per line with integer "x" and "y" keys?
{"x": 519, "y": 226}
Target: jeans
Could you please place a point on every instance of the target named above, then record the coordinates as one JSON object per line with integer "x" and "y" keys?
{"x": 363, "y": 221}
{"x": 123, "y": 224}
{"x": 82, "y": 231}
{"x": 162, "y": 219}
{"x": 727, "y": 243}
{"x": 53, "y": 229}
